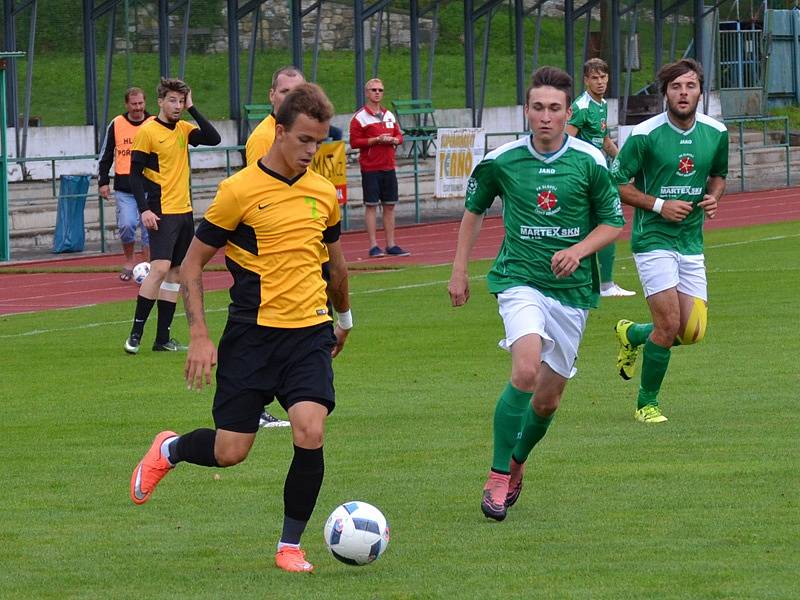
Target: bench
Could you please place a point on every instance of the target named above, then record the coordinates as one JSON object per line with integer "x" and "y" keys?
{"x": 254, "y": 114}
{"x": 417, "y": 120}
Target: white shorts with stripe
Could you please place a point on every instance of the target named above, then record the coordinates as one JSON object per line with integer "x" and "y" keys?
{"x": 661, "y": 270}
{"x": 525, "y": 310}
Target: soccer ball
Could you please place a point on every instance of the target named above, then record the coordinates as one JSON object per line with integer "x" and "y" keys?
{"x": 356, "y": 533}
{"x": 140, "y": 271}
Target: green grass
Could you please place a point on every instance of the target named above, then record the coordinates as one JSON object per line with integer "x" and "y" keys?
{"x": 705, "y": 506}
{"x": 59, "y": 100}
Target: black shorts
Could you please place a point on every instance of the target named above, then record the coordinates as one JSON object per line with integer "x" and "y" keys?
{"x": 379, "y": 186}
{"x": 172, "y": 238}
{"x": 256, "y": 364}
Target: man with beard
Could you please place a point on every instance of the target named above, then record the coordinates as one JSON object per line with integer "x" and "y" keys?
{"x": 678, "y": 161}
{"x": 160, "y": 183}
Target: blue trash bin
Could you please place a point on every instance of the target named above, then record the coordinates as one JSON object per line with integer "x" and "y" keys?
{"x": 70, "y": 235}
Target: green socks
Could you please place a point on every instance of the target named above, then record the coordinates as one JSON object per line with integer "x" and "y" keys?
{"x": 508, "y": 416}
{"x": 638, "y": 333}
{"x": 533, "y": 430}
{"x": 655, "y": 360}
{"x": 605, "y": 257}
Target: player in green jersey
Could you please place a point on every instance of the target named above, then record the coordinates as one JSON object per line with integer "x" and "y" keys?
{"x": 559, "y": 208}
{"x": 678, "y": 161}
{"x": 589, "y": 122}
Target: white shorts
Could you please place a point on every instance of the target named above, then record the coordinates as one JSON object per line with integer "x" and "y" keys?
{"x": 661, "y": 270}
{"x": 525, "y": 310}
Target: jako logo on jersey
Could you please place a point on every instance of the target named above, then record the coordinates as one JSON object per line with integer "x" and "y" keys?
{"x": 687, "y": 141}
{"x": 546, "y": 171}
{"x": 686, "y": 165}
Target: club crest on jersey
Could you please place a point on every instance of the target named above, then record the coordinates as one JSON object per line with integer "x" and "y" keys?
{"x": 603, "y": 125}
{"x": 472, "y": 186}
{"x": 685, "y": 165}
{"x": 546, "y": 200}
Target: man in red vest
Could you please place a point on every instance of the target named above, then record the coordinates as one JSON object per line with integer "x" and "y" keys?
{"x": 117, "y": 150}
{"x": 375, "y": 132}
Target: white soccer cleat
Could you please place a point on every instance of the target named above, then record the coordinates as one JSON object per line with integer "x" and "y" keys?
{"x": 614, "y": 291}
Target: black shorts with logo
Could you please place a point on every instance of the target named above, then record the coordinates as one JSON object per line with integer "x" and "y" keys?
{"x": 379, "y": 186}
{"x": 172, "y": 238}
{"x": 256, "y": 364}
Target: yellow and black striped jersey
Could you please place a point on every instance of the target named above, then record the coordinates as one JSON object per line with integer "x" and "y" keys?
{"x": 275, "y": 231}
{"x": 260, "y": 141}
{"x": 166, "y": 165}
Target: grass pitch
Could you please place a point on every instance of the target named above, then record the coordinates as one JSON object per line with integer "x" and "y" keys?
{"x": 705, "y": 506}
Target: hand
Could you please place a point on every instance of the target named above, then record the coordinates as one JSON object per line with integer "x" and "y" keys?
{"x": 341, "y": 337}
{"x": 458, "y": 288}
{"x": 709, "y": 204}
{"x": 565, "y": 262}
{"x": 188, "y": 104}
{"x": 676, "y": 210}
{"x": 150, "y": 219}
{"x": 200, "y": 359}
{"x": 104, "y": 191}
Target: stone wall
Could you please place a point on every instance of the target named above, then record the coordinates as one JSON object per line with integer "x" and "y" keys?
{"x": 337, "y": 29}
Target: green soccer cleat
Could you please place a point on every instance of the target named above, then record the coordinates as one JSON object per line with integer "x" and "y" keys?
{"x": 627, "y": 355}
{"x": 650, "y": 414}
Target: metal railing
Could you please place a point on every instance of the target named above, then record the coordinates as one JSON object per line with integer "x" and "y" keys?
{"x": 767, "y": 142}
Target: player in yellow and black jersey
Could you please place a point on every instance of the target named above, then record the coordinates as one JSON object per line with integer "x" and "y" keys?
{"x": 273, "y": 218}
{"x": 159, "y": 180}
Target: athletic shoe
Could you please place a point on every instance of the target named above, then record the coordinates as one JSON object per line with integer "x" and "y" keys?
{"x": 375, "y": 252}
{"x": 515, "y": 483}
{"x": 150, "y": 470}
{"x": 171, "y": 345}
{"x": 132, "y": 343}
{"x": 292, "y": 559}
{"x": 628, "y": 353}
{"x": 495, "y": 493}
{"x": 614, "y": 291}
{"x": 397, "y": 251}
{"x": 649, "y": 414}
{"x": 267, "y": 420}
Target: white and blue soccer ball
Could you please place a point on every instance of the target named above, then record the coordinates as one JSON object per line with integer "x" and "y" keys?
{"x": 356, "y": 533}
{"x": 141, "y": 271}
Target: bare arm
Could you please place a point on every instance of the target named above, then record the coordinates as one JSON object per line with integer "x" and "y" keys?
{"x": 468, "y": 233}
{"x": 671, "y": 210}
{"x": 338, "y": 291}
{"x": 610, "y": 147}
{"x": 572, "y": 130}
{"x": 565, "y": 262}
{"x": 714, "y": 190}
{"x": 202, "y": 355}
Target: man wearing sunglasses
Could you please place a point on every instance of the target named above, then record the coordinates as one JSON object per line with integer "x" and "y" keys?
{"x": 375, "y": 132}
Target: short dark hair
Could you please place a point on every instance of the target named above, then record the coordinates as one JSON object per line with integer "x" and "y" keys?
{"x": 595, "y": 64}
{"x": 551, "y": 77}
{"x": 289, "y": 70}
{"x": 172, "y": 85}
{"x": 670, "y": 72}
{"x": 307, "y": 99}
{"x": 134, "y": 91}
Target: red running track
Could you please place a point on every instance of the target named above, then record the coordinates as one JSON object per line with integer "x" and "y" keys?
{"x": 430, "y": 244}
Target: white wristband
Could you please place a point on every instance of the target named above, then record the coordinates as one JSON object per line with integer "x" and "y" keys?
{"x": 658, "y": 205}
{"x": 345, "y": 320}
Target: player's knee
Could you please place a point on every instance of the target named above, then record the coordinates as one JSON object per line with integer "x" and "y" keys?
{"x": 545, "y": 406}
{"x": 524, "y": 377}
{"x": 307, "y": 434}
{"x": 227, "y": 456}
{"x": 695, "y": 329}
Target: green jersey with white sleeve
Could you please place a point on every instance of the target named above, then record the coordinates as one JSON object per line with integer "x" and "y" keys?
{"x": 590, "y": 117}
{"x": 550, "y": 202}
{"x": 670, "y": 163}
